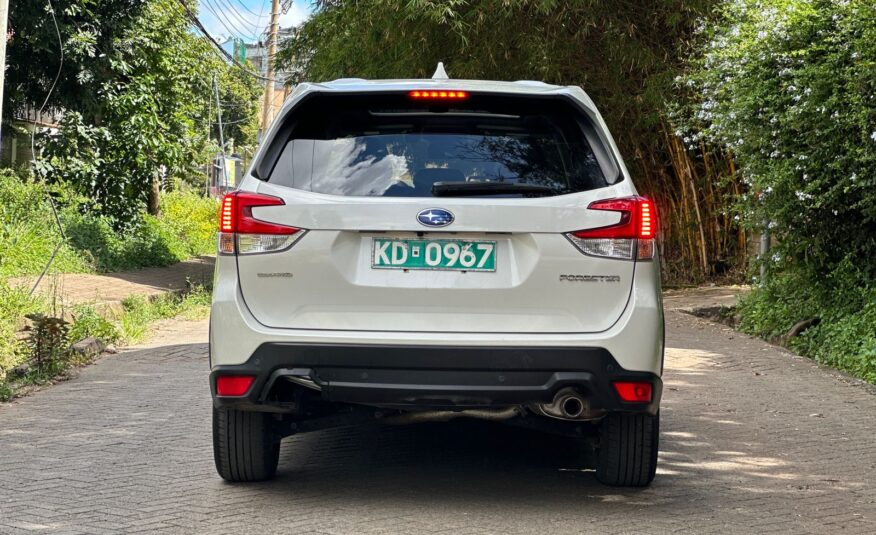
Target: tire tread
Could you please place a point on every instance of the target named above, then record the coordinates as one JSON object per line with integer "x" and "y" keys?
{"x": 627, "y": 455}
{"x": 245, "y": 447}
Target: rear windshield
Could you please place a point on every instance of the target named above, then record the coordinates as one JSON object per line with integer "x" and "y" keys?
{"x": 390, "y": 146}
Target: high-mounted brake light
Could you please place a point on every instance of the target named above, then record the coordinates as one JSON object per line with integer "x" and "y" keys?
{"x": 634, "y": 391}
{"x": 630, "y": 238}
{"x": 240, "y": 232}
{"x": 441, "y": 94}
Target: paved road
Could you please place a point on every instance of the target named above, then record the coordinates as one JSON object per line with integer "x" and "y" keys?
{"x": 754, "y": 440}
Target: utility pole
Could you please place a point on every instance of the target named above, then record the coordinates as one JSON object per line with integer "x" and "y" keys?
{"x": 4, "y": 16}
{"x": 268, "y": 108}
{"x": 221, "y": 134}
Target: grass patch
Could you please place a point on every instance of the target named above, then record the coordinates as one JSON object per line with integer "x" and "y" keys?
{"x": 139, "y": 312}
{"x": 845, "y": 336}
{"x": 14, "y": 305}
{"x": 130, "y": 326}
{"x": 29, "y": 233}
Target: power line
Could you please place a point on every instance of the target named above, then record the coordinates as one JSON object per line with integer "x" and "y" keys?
{"x": 254, "y": 25}
{"x": 226, "y": 22}
{"x": 197, "y": 23}
{"x": 260, "y": 15}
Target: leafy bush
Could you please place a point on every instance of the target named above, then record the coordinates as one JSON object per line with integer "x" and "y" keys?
{"x": 14, "y": 305}
{"x": 192, "y": 219}
{"x": 185, "y": 228}
{"x": 789, "y": 85}
{"x": 87, "y": 322}
{"x": 844, "y": 338}
{"x": 140, "y": 311}
{"x": 28, "y": 233}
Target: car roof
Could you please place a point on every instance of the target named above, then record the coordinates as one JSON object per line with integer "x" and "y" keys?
{"x": 520, "y": 87}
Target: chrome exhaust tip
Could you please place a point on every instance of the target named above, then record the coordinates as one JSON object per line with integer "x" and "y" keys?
{"x": 567, "y": 404}
{"x": 572, "y": 407}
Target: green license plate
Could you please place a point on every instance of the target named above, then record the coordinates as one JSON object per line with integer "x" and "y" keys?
{"x": 458, "y": 255}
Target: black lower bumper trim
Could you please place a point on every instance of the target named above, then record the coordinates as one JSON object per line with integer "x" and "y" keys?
{"x": 437, "y": 377}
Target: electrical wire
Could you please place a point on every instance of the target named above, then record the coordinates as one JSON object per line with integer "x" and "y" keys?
{"x": 224, "y": 19}
{"x": 244, "y": 20}
{"x": 34, "y": 155}
{"x": 197, "y": 23}
{"x": 264, "y": 3}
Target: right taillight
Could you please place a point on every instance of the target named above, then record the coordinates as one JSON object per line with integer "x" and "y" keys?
{"x": 241, "y": 233}
{"x": 631, "y": 238}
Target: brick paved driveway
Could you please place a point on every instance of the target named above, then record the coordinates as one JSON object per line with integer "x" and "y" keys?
{"x": 753, "y": 440}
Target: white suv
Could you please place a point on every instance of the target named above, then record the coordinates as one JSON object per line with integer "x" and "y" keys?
{"x": 415, "y": 250}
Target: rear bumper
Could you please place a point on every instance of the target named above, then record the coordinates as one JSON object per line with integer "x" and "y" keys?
{"x": 436, "y": 376}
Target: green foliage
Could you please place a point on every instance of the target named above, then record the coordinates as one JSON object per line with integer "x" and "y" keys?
{"x": 28, "y": 233}
{"x": 139, "y": 312}
{"x": 150, "y": 122}
{"x": 191, "y": 218}
{"x": 186, "y": 228}
{"x": 136, "y": 94}
{"x": 624, "y": 56}
{"x": 14, "y": 305}
{"x": 89, "y": 29}
{"x": 789, "y": 85}
{"x": 87, "y": 322}
{"x": 845, "y": 337}
{"x": 240, "y": 95}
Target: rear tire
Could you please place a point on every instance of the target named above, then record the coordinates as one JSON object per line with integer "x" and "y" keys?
{"x": 627, "y": 455}
{"x": 245, "y": 446}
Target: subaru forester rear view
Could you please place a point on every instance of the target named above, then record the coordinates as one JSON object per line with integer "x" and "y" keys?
{"x": 412, "y": 250}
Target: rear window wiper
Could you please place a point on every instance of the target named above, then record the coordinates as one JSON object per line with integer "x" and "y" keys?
{"x": 462, "y": 189}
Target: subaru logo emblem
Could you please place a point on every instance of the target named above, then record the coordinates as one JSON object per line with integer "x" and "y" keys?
{"x": 435, "y": 217}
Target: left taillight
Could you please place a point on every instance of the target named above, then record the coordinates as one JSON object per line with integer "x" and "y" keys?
{"x": 632, "y": 238}
{"x": 241, "y": 233}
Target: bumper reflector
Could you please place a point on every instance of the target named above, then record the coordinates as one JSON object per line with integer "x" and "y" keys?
{"x": 635, "y": 392}
{"x": 233, "y": 385}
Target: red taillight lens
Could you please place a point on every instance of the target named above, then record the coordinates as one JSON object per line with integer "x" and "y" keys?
{"x": 226, "y": 214}
{"x": 233, "y": 385}
{"x": 241, "y": 232}
{"x": 634, "y": 392}
{"x": 440, "y": 94}
{"x": 638, "y": 219}
{"x": 236, "y": 214}
{"x": 631, "y": 237}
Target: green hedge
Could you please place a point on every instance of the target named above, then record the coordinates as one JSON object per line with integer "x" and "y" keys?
{"x": 186, "y": 228}
{"x": 789, "y": 86}
{"x": 845, "y": 336}
{"x": 28, "y": 232}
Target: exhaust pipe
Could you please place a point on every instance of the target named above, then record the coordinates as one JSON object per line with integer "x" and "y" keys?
{"x": 415, "y": 417}
{"x": 567, "y": 404}
{"x": 572, "y": 407}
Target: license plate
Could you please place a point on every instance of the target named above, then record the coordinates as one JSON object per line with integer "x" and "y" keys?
{"x": 457, "y": 255}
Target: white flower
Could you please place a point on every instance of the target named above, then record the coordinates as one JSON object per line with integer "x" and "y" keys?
{"x": 873, "y": 136}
